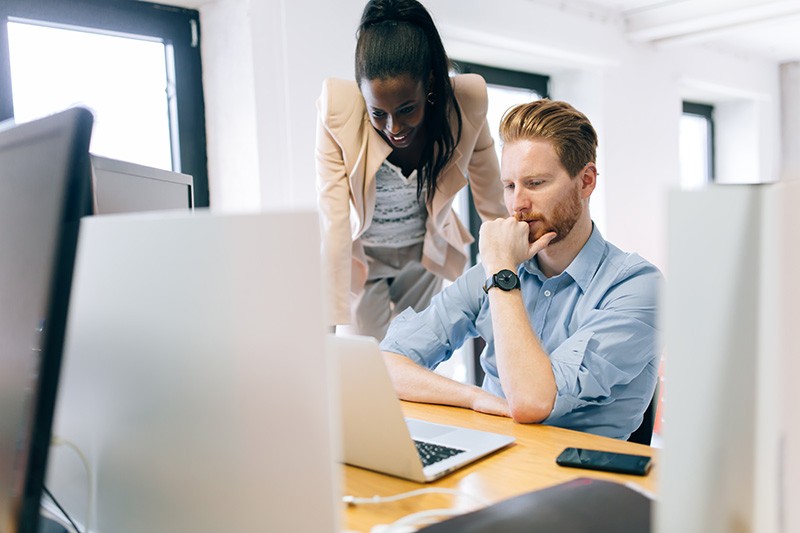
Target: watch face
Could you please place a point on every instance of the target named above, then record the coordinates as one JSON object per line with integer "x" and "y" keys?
{"x": 506, "y": 280}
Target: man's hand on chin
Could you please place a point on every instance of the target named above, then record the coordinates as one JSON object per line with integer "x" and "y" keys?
{"x": 505, "y": 243}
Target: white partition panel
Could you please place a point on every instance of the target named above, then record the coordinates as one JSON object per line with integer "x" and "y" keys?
{"x": 767, "y": 380}
{"x": 711, "y": 324}
{"x": 731, "y": 459}
{"x": 788, "y": 468}
{"x": 195, "y": 378}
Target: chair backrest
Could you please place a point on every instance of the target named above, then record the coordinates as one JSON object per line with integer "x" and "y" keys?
{"x": 644, "y": 433}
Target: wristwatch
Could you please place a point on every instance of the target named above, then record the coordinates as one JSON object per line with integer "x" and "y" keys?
{"x": 505, "y": 280}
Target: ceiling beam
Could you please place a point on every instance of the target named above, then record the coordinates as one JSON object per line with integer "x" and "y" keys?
{"x": 694, "y": 21}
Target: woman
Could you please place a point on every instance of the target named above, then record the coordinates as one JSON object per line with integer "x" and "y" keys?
{"x": 393, "y": 149}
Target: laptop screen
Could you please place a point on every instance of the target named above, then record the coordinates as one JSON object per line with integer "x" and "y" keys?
{"x": 44, "y": 190}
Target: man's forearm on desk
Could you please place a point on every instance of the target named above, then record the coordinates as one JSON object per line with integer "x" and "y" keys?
{"x": 418, "y": 384}
{"x": 525, "y": 370}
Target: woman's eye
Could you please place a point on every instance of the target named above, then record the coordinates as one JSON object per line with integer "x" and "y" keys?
{"x": 378, "y": 114}
{"x": 407, "y": 110}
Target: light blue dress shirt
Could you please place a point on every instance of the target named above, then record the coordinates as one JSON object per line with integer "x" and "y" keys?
{"x": 596, "y": 320}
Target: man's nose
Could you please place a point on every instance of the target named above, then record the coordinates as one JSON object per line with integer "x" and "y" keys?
{"x": 521, "y": 201}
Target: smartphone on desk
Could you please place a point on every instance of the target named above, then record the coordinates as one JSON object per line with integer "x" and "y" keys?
{"x": 621, "y": 463}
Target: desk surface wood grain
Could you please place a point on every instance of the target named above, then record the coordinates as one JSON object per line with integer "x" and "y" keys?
{"x": 526, "y": 465}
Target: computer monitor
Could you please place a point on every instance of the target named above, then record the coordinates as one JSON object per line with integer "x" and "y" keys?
{"x": 44, "y": 190}
{"x": 124, "y": 187}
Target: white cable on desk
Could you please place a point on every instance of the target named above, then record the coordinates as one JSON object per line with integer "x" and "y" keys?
{"x": 353, "y": 500}
{"x": 413, "y": 521}
{"x": 57, "y": 441}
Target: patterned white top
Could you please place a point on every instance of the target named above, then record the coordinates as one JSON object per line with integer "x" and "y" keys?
{"x": 399, "y": 218}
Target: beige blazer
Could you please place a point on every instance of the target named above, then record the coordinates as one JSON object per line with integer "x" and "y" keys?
{"x": 349, "y": 152}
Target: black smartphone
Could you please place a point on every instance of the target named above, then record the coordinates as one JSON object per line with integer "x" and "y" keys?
{"x": 622, "y": 463}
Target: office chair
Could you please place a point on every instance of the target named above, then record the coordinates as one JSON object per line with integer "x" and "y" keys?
{"x": 644, "y": 433}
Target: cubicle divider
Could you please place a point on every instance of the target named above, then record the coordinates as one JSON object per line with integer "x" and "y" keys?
{"x": 195, "y": 379}
{"x": 730, "y": 457}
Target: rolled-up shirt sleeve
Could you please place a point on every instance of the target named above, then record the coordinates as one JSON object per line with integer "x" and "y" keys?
{"x": 430, "y": 336}
{"x": 611, "y": 347}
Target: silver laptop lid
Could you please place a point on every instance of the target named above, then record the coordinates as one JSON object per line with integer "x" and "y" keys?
{"x": 375, "y": 433}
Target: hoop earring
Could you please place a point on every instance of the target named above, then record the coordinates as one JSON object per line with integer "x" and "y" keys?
{"x": 431, "y": 98}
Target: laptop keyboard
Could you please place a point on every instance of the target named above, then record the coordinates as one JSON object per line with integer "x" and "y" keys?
{"x": 433, "y": 453}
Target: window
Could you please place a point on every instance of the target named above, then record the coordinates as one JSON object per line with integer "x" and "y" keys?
{"x": 135, "y": 64}
{"x": 697, "y": 145}
{"x": 505, "y": 89}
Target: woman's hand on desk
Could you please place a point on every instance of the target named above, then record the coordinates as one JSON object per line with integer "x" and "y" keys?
{"x": 485, "y": 402}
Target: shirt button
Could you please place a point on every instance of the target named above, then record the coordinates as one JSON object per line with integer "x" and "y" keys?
{"x": 547, "y": 293}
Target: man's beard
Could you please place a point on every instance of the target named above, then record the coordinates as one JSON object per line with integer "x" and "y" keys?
{"x": 564, "y": 217}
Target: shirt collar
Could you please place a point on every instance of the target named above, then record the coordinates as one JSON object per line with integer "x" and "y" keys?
{"x": 585, "y": 264}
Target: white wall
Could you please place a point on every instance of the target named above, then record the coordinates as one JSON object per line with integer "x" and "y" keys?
{"x": 230, "y": 99}
{"x": 263, "y": 66}
{"x": 264, "y": 61}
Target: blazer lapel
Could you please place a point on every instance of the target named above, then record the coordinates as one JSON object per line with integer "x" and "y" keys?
{"x": 374, "y": 152}
{"x": 452, "y": 179}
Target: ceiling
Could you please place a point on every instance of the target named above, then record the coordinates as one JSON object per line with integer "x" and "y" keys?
{"x": 760, "y": 28}
{"x": 767, "y": 29}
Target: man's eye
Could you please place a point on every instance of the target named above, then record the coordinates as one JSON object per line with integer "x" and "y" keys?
{"x": 407, "y": 110}
{"x": 509, "y": 185}
{"x": 378, "y": 114}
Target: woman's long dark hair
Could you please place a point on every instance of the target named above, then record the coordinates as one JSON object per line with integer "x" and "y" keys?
{"x": 398, "y": 37}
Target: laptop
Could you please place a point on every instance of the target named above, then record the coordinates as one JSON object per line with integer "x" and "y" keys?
{"x": 375, "y": 434}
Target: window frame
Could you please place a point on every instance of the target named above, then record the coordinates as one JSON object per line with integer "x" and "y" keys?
{"x": 178, "y": 27}
{"x": 538, "y": 83}
{"x": 510, "y": 78}
{"x": 705, "y": 111}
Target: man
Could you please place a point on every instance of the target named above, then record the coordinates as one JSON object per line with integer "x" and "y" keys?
{"x": 568, "y": 319}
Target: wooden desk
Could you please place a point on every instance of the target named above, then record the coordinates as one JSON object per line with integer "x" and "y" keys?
{"x": 526, "y": 465}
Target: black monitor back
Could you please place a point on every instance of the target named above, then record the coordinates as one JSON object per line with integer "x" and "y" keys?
{"x": 44, "y": 191}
